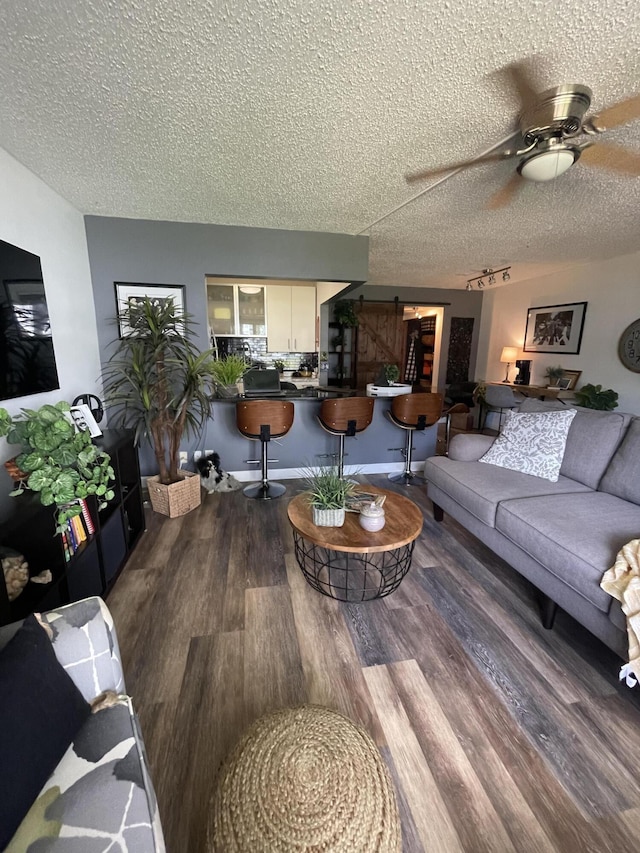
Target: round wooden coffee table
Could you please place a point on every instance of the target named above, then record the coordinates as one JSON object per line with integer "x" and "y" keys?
{"x": 348, "y": 562}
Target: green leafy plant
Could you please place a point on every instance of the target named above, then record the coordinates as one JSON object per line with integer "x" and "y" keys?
{"x": 157, "y": 382}
{"x": 391, "y": 373}
{"x": 344, "y": 313}
{"x": 554, "y": 373}
{"x": 60, "y": 464}
{"x": 327, "y": 490}
{"x": 229, "y": 369}
{"x": 279, "y": 365}
{"x": 593, "y": 397}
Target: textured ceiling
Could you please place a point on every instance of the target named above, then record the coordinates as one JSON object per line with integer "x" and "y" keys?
{"x": 307, "y": 115}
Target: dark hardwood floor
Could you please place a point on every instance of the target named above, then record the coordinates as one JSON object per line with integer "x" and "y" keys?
{"x": 500, "y": 736}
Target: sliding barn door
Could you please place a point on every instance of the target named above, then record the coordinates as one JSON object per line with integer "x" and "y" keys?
{"x": 381, "y": 340}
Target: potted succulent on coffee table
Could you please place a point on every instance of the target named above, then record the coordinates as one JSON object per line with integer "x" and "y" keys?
{"x": 158, "y": 383}
{"x": 55, "y": 460}
{"x": 327, "y": 493}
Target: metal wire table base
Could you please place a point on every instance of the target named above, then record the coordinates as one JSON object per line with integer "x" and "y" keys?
{"x": 352, "y": 577}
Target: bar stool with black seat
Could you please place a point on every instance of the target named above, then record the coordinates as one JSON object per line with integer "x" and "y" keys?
{"x": 413, "y": 412}
{"x": 344, "y": 417}
{"x": 262, "y": 420}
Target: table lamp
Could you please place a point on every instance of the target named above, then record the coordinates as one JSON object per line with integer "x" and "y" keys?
{"x": 508, "y": 356}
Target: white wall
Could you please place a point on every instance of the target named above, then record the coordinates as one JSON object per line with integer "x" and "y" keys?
{"x": 35, "y": 218}
{"x": 612, "y": 289}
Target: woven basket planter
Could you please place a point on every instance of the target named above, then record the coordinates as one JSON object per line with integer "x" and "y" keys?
{"x": 14, "y": 472}
{"x": 327, "y": 517}
{"x": 177, "y": 498}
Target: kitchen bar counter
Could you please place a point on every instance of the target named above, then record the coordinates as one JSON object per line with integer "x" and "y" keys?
{"x": 373, "y": 451}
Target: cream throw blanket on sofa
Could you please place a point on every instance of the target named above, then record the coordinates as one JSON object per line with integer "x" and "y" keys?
{"x": 622, "y": 581}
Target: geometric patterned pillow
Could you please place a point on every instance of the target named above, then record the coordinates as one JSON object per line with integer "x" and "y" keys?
{"x": 100, "y": 796}
{"x": 532, "y": 443}
{"x": 85, "y": 643}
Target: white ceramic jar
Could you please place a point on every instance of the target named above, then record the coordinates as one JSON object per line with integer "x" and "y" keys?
{"x": 372, "y": 517}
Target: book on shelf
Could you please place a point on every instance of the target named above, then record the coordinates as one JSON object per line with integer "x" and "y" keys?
{"x": 71, "y": 537}
{"x": 86, "y": 515}
{"x": 65, "y": 546}
{"x": 78, "y": 529}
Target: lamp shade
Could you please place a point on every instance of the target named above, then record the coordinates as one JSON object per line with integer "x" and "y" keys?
{"x": 547, "y": 165}
{"x": 509, "y": 354}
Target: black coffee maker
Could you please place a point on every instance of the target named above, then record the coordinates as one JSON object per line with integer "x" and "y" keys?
{"x": 524, "y": 375}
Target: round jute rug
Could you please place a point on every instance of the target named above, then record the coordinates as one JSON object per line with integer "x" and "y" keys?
{"x": 304, "y": 779}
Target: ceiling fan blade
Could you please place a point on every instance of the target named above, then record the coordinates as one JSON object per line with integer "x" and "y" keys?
{"x": 506, "y": 193}
{"x": 519, "y": 76}
{"x": 617, "y": 114}
{"x": 606, "y": 155}
{"x": 463, "y": 164}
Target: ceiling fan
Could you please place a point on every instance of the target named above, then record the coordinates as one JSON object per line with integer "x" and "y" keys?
{"x": 551, "y": 125}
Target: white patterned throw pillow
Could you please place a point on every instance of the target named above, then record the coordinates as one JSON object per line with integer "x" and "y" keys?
{"x": 532, "y": 442}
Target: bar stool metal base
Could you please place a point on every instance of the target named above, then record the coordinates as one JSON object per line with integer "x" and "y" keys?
{"x": 407, "y": 478}
{"x": 264, "y": 491}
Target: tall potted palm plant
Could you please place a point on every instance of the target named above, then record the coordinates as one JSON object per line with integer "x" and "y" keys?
{"x": 158, "y": 383}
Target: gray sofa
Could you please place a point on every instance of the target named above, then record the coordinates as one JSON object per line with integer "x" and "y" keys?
{"x": 561, "y": 535}
{"x": 100, "y": 795}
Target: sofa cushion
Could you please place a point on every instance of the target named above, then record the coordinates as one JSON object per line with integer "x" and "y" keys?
{"x": 100, "y": 796}
{"x": 576, "y": 540}
{"x": 40, "y": 712}
{"x": 622, "y": 477}
{"x": 480, "y": 488}
{"x": 592, "y": 440}
{"x": 532, "y": 443}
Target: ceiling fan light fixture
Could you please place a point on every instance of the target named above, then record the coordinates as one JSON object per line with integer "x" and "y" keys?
{"x": 547, "y": 165}
{"x": 506, "y": 276}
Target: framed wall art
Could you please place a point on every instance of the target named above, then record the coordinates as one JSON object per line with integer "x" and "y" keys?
{"x": 129, "y": 295}
{"x": 555, "y": 328}
{"x": 571, "y": 376}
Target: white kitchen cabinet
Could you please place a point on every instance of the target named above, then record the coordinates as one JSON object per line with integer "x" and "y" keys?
{"x": 291, "y": 319}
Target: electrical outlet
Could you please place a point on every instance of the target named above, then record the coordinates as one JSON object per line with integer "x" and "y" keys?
{"x": 196, "y": 455}
{"x": 208, "y": 453}
{"x": 184, "y": 457}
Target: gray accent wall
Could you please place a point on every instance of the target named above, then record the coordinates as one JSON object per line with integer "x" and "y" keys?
{"x": 154, "y": 252}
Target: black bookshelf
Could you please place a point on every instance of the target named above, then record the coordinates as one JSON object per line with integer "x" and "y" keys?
{"x": 29, "y": 528}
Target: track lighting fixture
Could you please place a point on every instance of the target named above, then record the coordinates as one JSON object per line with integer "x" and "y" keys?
{"x": 490, "y": 275}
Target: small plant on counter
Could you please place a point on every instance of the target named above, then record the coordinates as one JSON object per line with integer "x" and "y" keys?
{"x": 593, "y": 397}
{"x": 391, "y": 373}
{"x": 55, "y": 461}
{"x": 553, "y": 374}
{"x": 279, "y": 365}
{"x": 228, "y": 370}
